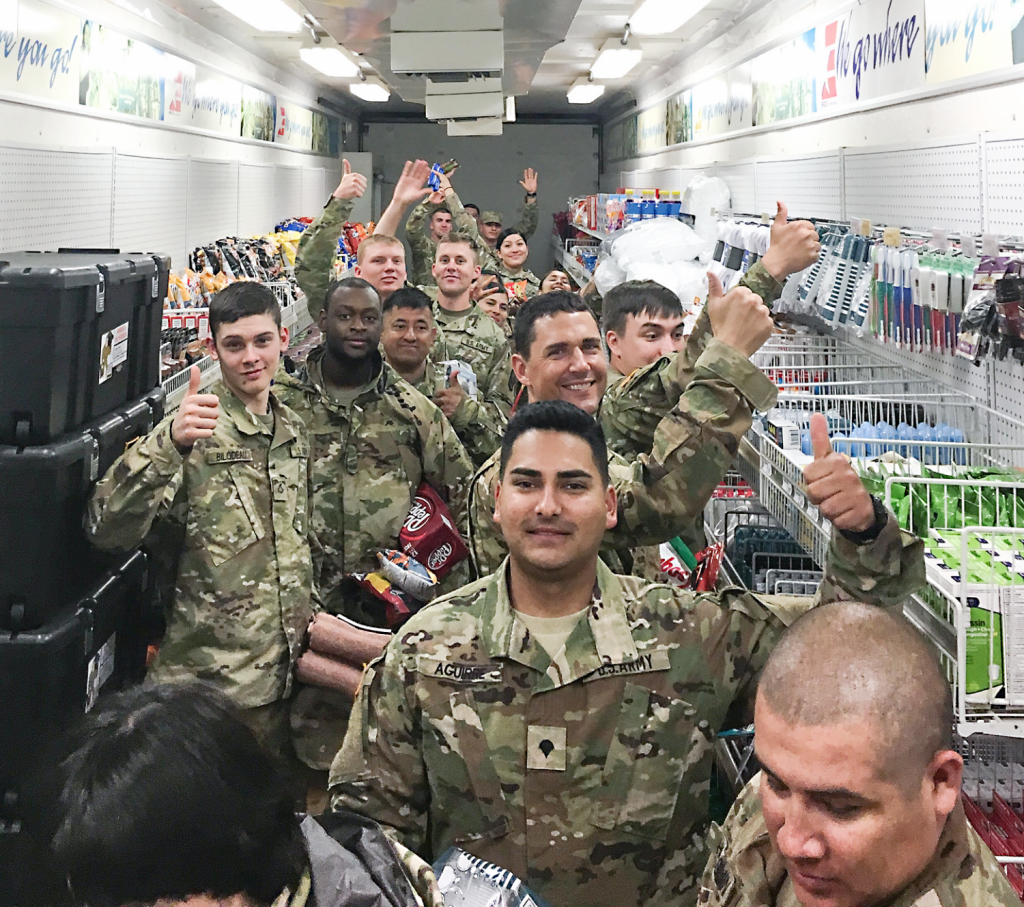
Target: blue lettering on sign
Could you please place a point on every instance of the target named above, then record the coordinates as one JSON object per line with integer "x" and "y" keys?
{"x": 35, "y": 53}
{"x": 969, "y": 18}
{"x": 876, "y": 50}
{"x": 8, "y": 38}
{"x": 60, "y": 61}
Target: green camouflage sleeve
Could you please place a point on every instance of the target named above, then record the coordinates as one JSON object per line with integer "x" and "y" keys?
{"x": 480, "y": 425}
{"x": 529, "y": 216}
{"x": 497, "y": 383}
{"x": 317, "y": 250}
{"x": 694, "y": 446}
{"x": 884, "y": 572}
{"x": 631, "y": 412}
{"x": 421, "y": 876}
{"x": 420, "y": 245}
{"x": 137, "y": 490}
{"x": 464, "y": 222}
{"x": 378, "y": 772}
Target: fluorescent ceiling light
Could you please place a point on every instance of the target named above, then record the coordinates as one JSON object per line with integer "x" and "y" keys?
{"x": 584, "y": 92}
{"x": 662, "y": 17}
{"x": 510, "y": 108}
{"x": 264, "y": 15}
{"x": 373, "y": 90}
{"x": 330, "y": 61}
{"x": 615, "y": 61}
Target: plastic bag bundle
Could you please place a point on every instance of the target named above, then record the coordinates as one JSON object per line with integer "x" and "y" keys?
{"x": 704, "y": 195}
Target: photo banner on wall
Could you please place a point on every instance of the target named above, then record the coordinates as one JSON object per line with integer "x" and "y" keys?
{"x": 967, "y": 37}
{"x": 41, "y": 50}
{"x": 651, "y": 128}
{"x": 259, "y": 114}
{"x": 120, "y": 75}
{"x": 294, "y": 125}
{"x": 218, "y": 105}
{"x": 783, "y": 81}
{"x": 679, "y": 118}
{"x": 874, "y": 50}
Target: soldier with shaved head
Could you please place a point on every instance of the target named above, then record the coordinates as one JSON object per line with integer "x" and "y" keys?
{"x": 858, "y": 801}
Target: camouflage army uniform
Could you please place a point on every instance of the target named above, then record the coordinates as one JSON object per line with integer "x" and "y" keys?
{"x": 585, "y": 774}
{"x": 662, "y": 491}
{"x": 632, "y": 409}
{"x": 236, "y": 509}
{"x": 479, "y": 424}
{"x": 317, "y": 250}
{"x": 473, "y": 337}
{"x": 422, "y": 245}
{"x": 522, "y": 285}
{"x": 744, "y": 869}
{"x": 367, "y": 462}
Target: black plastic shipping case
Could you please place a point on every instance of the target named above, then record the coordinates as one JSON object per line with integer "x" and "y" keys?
{"x": 79, "y": 336}
{"x": 52, "y": 675}
{"x": 45, "y": 560}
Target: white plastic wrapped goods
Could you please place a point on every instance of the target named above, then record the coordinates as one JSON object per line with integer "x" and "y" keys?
{"x": 662, "y": 240}
{"x": 608, "y": 275}
{"x": 702, "y": 195}
{"x": 687, "y": 279}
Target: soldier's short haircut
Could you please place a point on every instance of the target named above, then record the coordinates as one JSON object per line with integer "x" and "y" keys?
{"x": 544, "y": 305}
{"x": 636, "y": 298}
{"x": 489, "y": 273}
{"x": 240, "y": 300}
{"x": 505, "y": 234}
{"x": 562, "y": 417}
{"x": 408, "y": 298}
{"x": 441, "y": 210}
{"x": 340, "y": 287}
{"x": 474, "y": 207}
{"x": 456, "y": 239}
{"x": 165, "y": 793}
{"x": 849, "y": 661}
{"x": 376, "y": 239}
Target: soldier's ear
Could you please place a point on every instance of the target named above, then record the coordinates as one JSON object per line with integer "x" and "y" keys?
{"x": 519, "y": 369}
{"x": 497, "y": 504}
{"x": 611, "y": 501}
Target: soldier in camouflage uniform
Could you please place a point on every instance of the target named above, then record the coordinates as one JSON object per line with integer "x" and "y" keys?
{"x": 318, "y": 246}
{"x": 224, "y": 486}
{"x": 559, "y": 720}
{"x": 560, "y": 357}
{"x": 520, "y": 282}
{"x": 374, "y": 439}
{"x": 414, "y": 348}
{"x": 858, "y": 802}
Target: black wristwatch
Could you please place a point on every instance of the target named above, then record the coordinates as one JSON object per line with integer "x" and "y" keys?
{"x": 531, "y": 194}
{"x": 872, "y": 532}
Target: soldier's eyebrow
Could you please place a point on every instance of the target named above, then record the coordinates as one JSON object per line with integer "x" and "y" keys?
{"x": 523, "y": 471}
{"x": 574, "y": 474}
{"x": 821, "y": 793}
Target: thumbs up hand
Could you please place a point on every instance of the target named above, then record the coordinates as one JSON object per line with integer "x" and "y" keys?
{"x": 449, "y": 398}
{"x": 833, "y": 486}
{"x": 739, "y": 317}
{"x": 794, "y": 246}
{"x": 352, "y": 185}
{"x": 196, "y": 417}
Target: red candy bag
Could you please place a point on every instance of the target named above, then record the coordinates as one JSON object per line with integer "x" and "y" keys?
{"x": 429, "y": 533}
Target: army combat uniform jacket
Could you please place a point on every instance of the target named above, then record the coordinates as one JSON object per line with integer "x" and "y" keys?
{"x": 233, "y": 519}
{"x": 368, "y": 460}
{"x": 422, "y": 245}
{"x": 586, "y": 774}
{"x": 660, "y": 492}
{"x": 487, "y": 258}
{"x": 473, "y": 337}
{"x": 318, "y": 248}
{"x": 744, "y": 870}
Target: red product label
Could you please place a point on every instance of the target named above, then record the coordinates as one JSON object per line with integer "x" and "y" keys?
{"x": 429, "y": 533}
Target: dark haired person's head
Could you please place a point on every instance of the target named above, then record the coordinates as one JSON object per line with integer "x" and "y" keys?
{"x": 486, "y": 283}
{"x": 440, "y": 223}
{"x": 409, "y": 330}
{"x": 167, "y": 797}
{"x": 455, "y": 267}
{"x": 642, "y": 321}
{"x": 351, "y": 319}
{"x": 558, "y": 351}
{"x": 512, "y": 249}
{"x": 246, "y": 337}
{"x": 556, "y": 279}
{"x": 554, "y": 501}
{"x": 473, "y": 210}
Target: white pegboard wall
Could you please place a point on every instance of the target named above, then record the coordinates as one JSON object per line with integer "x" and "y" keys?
{"x": 212, "y": 201}
{"x": 287, "y": 192}
{"x": 1007, "y": 399}
{"x": 313, "y": 194}
{"x": 810, "y": 186}
{"x": 1004, "y": 186}
{"x": 742, "y": 185}
{"x": 50, "y": 199}
{"x": 148, "y": 212}
{"x": 256, "y": 188}
{"x": 920, "y": 188}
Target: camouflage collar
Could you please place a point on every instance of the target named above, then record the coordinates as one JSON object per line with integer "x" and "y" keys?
{"x": 312, "y": 376}
{"x": 950, "y": 859}
{"x": 247, "y": 424}
{"x": 604, "y": 638}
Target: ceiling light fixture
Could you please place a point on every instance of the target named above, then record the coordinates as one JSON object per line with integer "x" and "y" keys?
{"x": 372, "y": 90}
{"x": 510, "y": 109}
{"x": 584, "y": 91}
{"x": 265, "y": 15}
{"x": 330, "y": 61}
{"x": 615, "y": 61}
{"x": 662, "y": 17}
